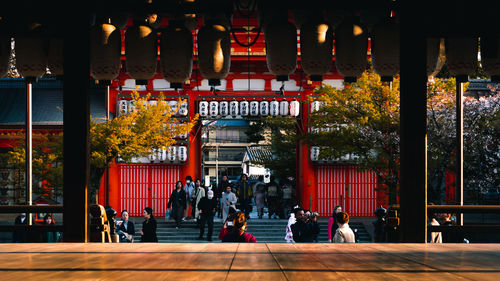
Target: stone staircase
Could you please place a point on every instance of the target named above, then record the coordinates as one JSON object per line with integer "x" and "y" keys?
{"x": 264, "y": 230}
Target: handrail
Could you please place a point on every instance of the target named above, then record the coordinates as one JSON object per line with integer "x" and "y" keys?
{"x": 6, "y": 209}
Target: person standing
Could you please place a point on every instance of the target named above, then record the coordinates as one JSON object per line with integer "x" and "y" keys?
{"x": 332, "y": 222}
{"x": 287, "y": 192}
{"x": 260, "y": 196}
{"x": 221, "y": 188}
{"x": 207, "y": 207}
{"x": 228, "y": 201}
{"x": 19, "y": 237}
{"x": 273, "y": 198}
{"x": 245, "y": 195}
{"x": 198, "y": 194}
{"x": 301, "y": 230}
{"x": 177, "y": 202}
{"x": 126, "y": 228}
{"x": 148, "y": 231}
{"x": 188, "y": 190}
{"x": 344, "y": 233}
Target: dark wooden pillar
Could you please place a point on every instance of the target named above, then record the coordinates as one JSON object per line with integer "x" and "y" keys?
{"x": 413, "y": 173}
{"x": 76, "y": 125}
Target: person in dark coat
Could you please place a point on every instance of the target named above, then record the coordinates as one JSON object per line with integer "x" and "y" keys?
{"x": 148, "y": 231}
{"x": 177, "y": 202}
{"x": 238, "y": 233}
{"x": 221, "y": 188}
{"x": 125, "y": 228}
{"x": 245, "y": 194}
{"x": 302, "y": 231}
{"x": 19, "y": 237}
{"x": 49, "y": 236}
{"x": 207, "y": 207}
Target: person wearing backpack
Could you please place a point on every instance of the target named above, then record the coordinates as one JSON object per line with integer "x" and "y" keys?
{"x": 238, "y": 234}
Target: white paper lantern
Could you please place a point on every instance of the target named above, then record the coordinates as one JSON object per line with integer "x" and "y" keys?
{"x": 214, "y": 108}
{"x": 234, "y": 108}
{"x": 182, "y": 153}
{"x": 316, "y": 44}
{"x": 162, "y": 154}
{"x": 141, "y": 50}
{"x": 461, "y": 56}
{"x": 152, "y": 156}
{"x": 294, "y": 108}
{"x": 122, "y": 107}
{"x": 55, "y": 58}
{"x": 172, "y": 153}
{"x": 176, "y": 55}
{"x": 183, "y": 108}
{"x": 4, "y": 55}
{"x": 284, "y": 108}
{"x": 131, "y": 106}
{"x": 315, "y": 106}
{"x": 203, "y": 108}
{"x": 281, "y": 48}
{"x": 105, "y": 52}
{"x": 254, "y": 108}
{"x": 274, "y": 108}
{"x": 214, "y": 52}
{"x": 183, "y": 136}
{"x": 314, "y": 153}
{"x": 173, "y": 106}
{"x": 31, "y": 56}
{"x": 152, "y": 103}
{"x": 224, "y": 108}
{"x": 490, "y": 56}
{"x": 351, "y": 44}
{"x": 244, "y": 110}
{"x": 264, "y": 108}
{"x": 385, "y": 49}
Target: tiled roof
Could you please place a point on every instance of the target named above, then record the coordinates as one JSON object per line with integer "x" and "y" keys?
{"x": 258, "y": 153}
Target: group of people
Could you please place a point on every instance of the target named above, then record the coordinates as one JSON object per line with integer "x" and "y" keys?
{"x": 35, "y": 236}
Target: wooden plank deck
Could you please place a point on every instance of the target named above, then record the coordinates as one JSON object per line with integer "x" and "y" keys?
{"x": 147, "y": 262}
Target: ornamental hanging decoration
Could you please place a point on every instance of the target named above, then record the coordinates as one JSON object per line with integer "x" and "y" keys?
{"x": 254, "y": 108}
{"x": 182, "y": 153}
{"x": 264, "y": 108}
{"x": 122, "y": 107}
{"x": 176, "y": 55}
{"x": 183, "y": 108}
{"x": 385, "y": 49}
{"x": 203, "y": 108}
{"x": 461, "y": 57}
{"x": 224, "y": 108}
{"x": 105, "y": 52}
{"x": 316, "y": 44}
{"x": 233, "y": 108}
{"x": 314, "y": 153}
{"x": 274, "y": 108}
{"x": 351, "y": 44}
{"x": 141, "y": 50}
{"x": 284, "y": 108}
{"x": 244, "y": 108}
{"x": 214, "y": 52}
{"x": 172, "y": 153}
{"x": 281, "y": 47}
{"x": 31, "y": 56}
{"x": 214, "y": 108}
{"x": 294, "y": 108}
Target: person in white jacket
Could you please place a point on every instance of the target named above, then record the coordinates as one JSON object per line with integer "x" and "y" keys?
{"x": 344, "y": 233}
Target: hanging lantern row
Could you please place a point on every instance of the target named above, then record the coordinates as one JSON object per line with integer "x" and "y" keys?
{"x": 125, "y": 107}
{"x": 314, "y": 152}
{"x": 169, "y": 154}
{"x": 245, "y": 108}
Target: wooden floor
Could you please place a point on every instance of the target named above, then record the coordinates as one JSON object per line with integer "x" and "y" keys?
{"x": 147, "y": 262}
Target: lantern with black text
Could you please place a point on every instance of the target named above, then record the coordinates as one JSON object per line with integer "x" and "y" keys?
{"x": 385, "y": 49}
{"x": 351, "y": 44}
{"x": 172, "y": 153}
{"x": 182, "y": 153}
{"x": 162, "y": 154}
{"x": 122, "y": 107}
{"x": 316, "y": 43}
{"x": 131, "y": 106}
{"x": 234, "y": 108}
{"x": 274, "y": 108}
{"x": 105, "y": 52}
{"x": 315, "y": 106}
{"x": 244, "y": 110}
{"x": 141, "y": 53}
{"x": 264, "y": 108}
{"x": 153, "y": 155}
{"x": 173, "y": 106}
{"x": 183, "y": 108}
{"x": 203, "y": 108}
{"x": 254, "y": 108}
{"x": 214, "y": 52}
{"x": 294, "y": 108}
{"x": 314, "y": 153}
{"x": 214, "y": 108}
{"x": 224, "y": 108}
{"x": 176, "y": 55}
{"x": 284, "y": 108}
